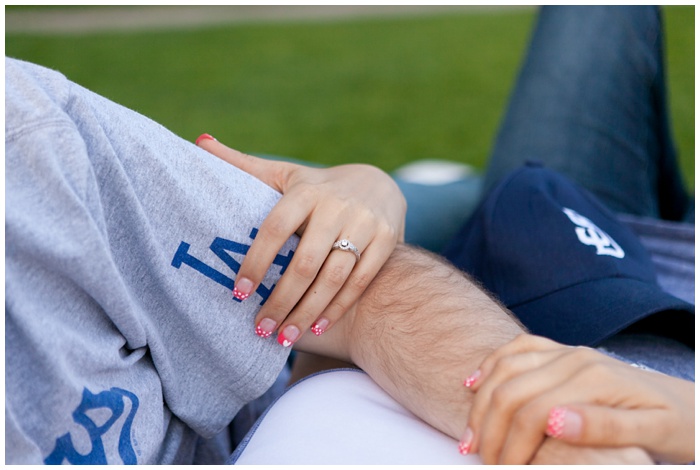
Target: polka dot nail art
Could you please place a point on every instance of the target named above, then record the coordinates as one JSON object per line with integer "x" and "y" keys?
{"x": 555, "y": 422}
{"x": 242, "y": 289}
{"x": 288, "y": 336}
{"x": 238, "y": 295}
{"x": 265, "y": 328}
{"x": 319, "y": 327}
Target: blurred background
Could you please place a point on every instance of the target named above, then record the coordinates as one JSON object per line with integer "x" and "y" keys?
{"x": 382, "y": 85}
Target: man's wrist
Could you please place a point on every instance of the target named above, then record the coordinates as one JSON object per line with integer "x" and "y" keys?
{"x": 420, "y": 328}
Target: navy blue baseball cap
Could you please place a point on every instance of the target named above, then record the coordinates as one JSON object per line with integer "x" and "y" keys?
{"x": 563, "y": 263}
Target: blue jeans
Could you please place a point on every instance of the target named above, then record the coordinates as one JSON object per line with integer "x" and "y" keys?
{"x": 590, "y": 102}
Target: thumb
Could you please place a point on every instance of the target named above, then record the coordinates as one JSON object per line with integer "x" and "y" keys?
{"x": 274, "y": 174}
{"x": 601, "y": 426}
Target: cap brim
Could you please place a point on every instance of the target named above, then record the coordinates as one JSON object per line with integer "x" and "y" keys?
{"x": 587, "y": 313}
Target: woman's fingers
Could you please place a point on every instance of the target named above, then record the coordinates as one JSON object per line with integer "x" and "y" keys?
{"x": 506, "y": 362}
{"x": 320, "y": 284}
{"x": 504, "y": 366}
{"x": 356, "y": 202}
{"x": 514, "y": 382}
{"x": 514, "y": 425}
{"x": 554, "y": 452}
{"x": 293, "y": 304}
{"x": 581, "y": 396}
{"x": 371, "y": 261}
{"x": 282, "y": 221}
{"x": 272, "y": 173}
{"x": 344, "y": 276}
{"x": 536, "y": 418}
{"x": 317, "y": 273}
{"x": 338, "y": 286}
{"x": 341, "y": 280}
{"x": 657, "y": 414}
{"x": 586, "y": 424}
{"x": 309, "y": 314}
{"x": 586, "y": 418}
{"x": 288, "y": 215}
{"x": 521, "y": 344}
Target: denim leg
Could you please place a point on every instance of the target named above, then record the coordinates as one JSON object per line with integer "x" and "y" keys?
{"x": 590, "y": 102}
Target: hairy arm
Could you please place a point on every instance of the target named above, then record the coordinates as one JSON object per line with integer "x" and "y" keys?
{"x": 418, "y": 330}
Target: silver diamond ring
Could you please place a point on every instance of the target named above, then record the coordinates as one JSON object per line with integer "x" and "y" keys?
{"x": 346, "y": 245}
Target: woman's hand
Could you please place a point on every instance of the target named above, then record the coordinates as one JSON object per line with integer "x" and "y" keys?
{"x": 532, "y": 388}
{"x": 359, "y": 203}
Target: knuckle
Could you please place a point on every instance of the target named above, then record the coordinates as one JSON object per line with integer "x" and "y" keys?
{"x": 346, "y": 211}
{"x": 522, "y": 421}
{"x": 335, "y": 277}
{"x": 337, "y": 308}
{"x": 307, "y": 191}
{"x": 360, "y": 281}
{"x": 387, "y": 234}
{"x": 275, "y": 228}
{"x": 532, "y": 342}
{"x": 501, "y": 399}
{"x": 597, "y": 369}
{"x": 305, "y": 266}
{"x": 520, "y": 342}
{"x": 507, "y": 364}
{"x": 610, "y": 430}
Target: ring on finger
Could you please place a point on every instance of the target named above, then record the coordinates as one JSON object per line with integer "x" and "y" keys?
{"x": 346, "y": 245}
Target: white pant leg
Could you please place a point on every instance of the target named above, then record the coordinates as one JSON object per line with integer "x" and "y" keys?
{"x": 342, "y": 417}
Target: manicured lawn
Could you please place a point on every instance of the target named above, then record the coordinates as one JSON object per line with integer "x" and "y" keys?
{"x": 384, "y": 91}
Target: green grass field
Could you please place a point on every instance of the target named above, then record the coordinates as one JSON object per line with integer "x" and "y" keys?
{"x": 384, "y": 91}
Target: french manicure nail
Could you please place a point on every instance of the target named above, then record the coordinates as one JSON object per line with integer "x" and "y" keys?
{"x": 287, "y": 337}
{"x": 203, "y": 137}
{"x": 555, "y": 422}
{"x": 469, "y": 381}
{"x": 242, "y": 289}
{"x": 265, "y": 327}
{"x": 465, "y": 444}
{"x": 320, "y": 326}
{"x": 563, "y": 422}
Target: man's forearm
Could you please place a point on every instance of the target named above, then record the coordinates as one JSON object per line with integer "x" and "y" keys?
{"x": 419, "y": 329}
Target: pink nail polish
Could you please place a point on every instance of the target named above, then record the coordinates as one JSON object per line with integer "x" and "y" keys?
{"x": 465, "y": 445}
{"x": 242, "y": 289}
{"x": 288, "y": 336}
{"x": 555, "y": 422}
{"x": 204, "y": 137}
{"x": 265, "y": 327}
{"x": 469, "y": 381}
{"x": 320, "y": 326}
